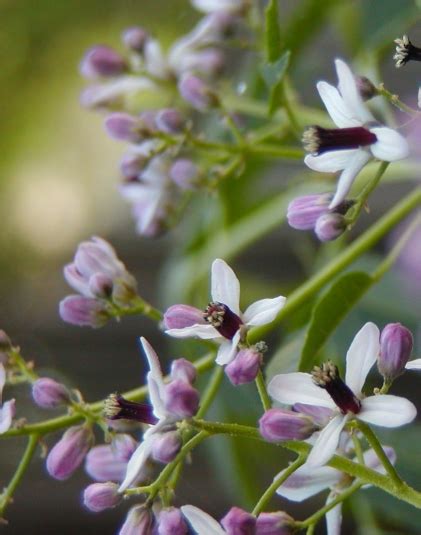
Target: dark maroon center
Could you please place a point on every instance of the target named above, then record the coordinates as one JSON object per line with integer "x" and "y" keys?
{"x": 119, "y": 408}
{"x": 327, "y": 377}
{"x": 225, "y": 321}
{"x": 318, "y": 140}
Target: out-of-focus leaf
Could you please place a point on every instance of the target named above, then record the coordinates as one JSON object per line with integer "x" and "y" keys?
{"x": 273, "y": 40}
{"x": 286, "y": 358}
{"x": 273, "y": 75}
{"x": 329, "y": 311}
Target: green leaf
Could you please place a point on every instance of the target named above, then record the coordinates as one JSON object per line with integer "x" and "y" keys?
{"x": 273, "y": 39}
{"x": 273, "y": 75}
{"x": 330, "y": 310}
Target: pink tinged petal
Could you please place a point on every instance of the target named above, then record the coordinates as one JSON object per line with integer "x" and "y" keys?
{"x": 76, "y": 280}
{"x": 228, "y": 350}
{"x": 338, "y": 110}
{"x": 2, "y": 378}
{"x": 263, "y": 311}
{"x": 330, "y": 161}
{"x": 153, "y": 361}
{"x": 225, "y": 287}
{"x": 7, "y": 412}
{"x": 348, "y": 88}
{"x": 298, "y": 387}
{"x": 361, "y": 356}
{"x": 306, "y": 482}
{"x": 201, "y": 522}
{"x": 156, "y": 396}
{"x": 137, "y": 462}
{"x": 387, "y": 411}
{"x": 325, "y": 446}
{"x": 390, "y": 145}
{"x": 358, "y": 161}
{"x": 413, "y": 364}
{"x": 180, "y": 316}
{"x": 205, "y": 332}
{"x": 333, "y": 517}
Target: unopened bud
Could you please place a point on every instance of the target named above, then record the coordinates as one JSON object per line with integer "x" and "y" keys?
{"x": 102, "y": 61}
{"x": 84, "y": 311}
{"x": 396, "y": 344}
{"x": 181, "y": 399}
{"x": 48, "y": 393}
{"x": 170, "y": 121}
{"x": 69, "y": 452}
{"x": 100, "y": 496}
{"x": 171, "y": 522}
{"x": 303, "y": 212}
{"x": 101, "y": 285}
{"x": 278, "y": 523}
{"x": 245, "y": 367}
{"x": 180, "y": 316}
{"x": 166, "y": 447}
{"x": 108, "y": 462}
{"x": 330, "y": 226}
{"x": 124, "y": 127}
{"x": 132, "y": 165}
{"x": 184, "y": 173}
{"x": 139, "y": 521}
{"x": 135, "y": 38}
{"x": 239, "y": 522}
{"x": 184, "y": 370}
{"x": 197, "y": 93}
{"x": 277, "y": 425}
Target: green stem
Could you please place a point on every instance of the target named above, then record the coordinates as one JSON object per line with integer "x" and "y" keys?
{"x": 394, "y": 99}
{"x": 313, "y": 519}
{"x": 24, "y": 368}
{"x": 7, "y": 494}
{"x": 54, "y": 424}
{"x": 139, "y": 306}
{"x": 377, "y": 447}
{"x": 357, "y": 448}
{"x": 211, "y": 391}
{"x": 307, "y": 290}
{"x": 274, "y": 486}
{"x": 371, "y": 185}
{"x": 263, "y": 393}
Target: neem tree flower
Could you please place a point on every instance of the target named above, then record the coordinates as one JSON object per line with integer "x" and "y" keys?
{"x": 325, "y": 388}
{"x": 222, "y": 319}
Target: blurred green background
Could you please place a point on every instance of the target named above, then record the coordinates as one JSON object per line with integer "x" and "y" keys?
{"x": 58, "y": 185}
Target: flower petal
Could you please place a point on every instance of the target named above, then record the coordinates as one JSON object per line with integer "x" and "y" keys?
{"x": 350, "y": 93}
{"x": 306, "y": 482}
{"x": 7, "y": 412}
{"x": 372, "y": 461}
{"x": 325, "y": 446}
{"x": 206, "y": 332}
{"x": 263, "y": 311}
{"x": 201, "y": 522}
{"x": 330, "y": 161}
{"x": 413, "y": 364}
{"x": 225, "y": 286}
{"x": 298, "y": 387}
{"x": 361, "y": 356}
{"x": 358, "y": 161}
{"x": 228, "y": 350}
{"x": 339, "y": 111}
{"x": 390, "y": 145}
{"x": 156, "y": 396}
{"x": 333, "y": 517}
{"x": 137, "y": 461}
{"x": 2, "y": 379}
{"x": 153, "y": 360}
{"x": 387, "y": 411}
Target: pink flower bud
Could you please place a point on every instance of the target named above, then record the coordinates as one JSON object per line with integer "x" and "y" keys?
{"x": 184, "y": 370}
{"x": 239, "y": 522}
{"x": 166, "y": 447}
{"x": 108, "y": 462}
{"x": 101, "y": 285}
{"x": 278, "y": 523}
{"x": 277, "y": 425}
{"x": 319, "y": 415}
{"x": 102, "y": 61}
{"x": 303, "y": 212}
{"x": 139, "y": 521}
{"x": 100, "y": 496}
{"x": 330, "y": 226}
{"x": 124, "y": 127}
{"x": 396, "y": 344}
{"x": 181, "y": 399}
{"x": 83, "y": 311}
{"x": 245, "y": 367}
{"x": 180, "y": 316}
{"x": 170, "y": 121}
{"x": 69, "y": 452}
{"x": 132, "y": 165}
{"x": 134, "y": 38}
{"x": 171, "y": 522}
{"x": 184, "y": 173}
{"x": 49, "y": 394}
{"x": 197, "y": 93}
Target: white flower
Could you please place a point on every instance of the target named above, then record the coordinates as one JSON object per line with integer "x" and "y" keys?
{"x": 358, "y": 137}
{"x": 414, "y": 364}
{"x": 308, "y": 481}
{"x": 201, "y": 522}
{"x": 222, "y": 320}
{"x": 210, "y": 6}
{"x": 156, "y": 389}
{"x": 7, "y": 409}
{"x": 383, "y": 410}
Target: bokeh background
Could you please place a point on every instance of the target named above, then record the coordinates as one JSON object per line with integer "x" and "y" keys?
{"x": 58, "y": 186}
